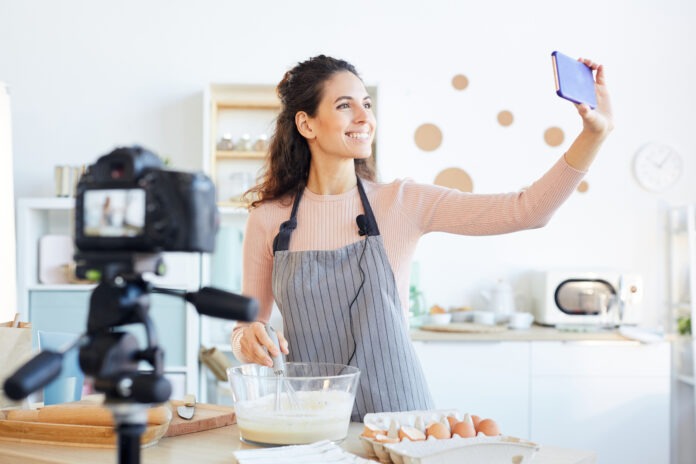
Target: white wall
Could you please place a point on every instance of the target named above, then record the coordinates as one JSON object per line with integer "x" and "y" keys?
{"x": 86, "y": 76}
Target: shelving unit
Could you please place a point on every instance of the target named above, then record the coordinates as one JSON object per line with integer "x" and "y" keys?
{"x": 238, "y": 110}
{"x": 64, "y": 307}
{"x": 682, "y": 304}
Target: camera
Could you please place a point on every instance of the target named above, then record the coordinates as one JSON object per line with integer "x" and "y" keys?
{"x": 128, "y": 202}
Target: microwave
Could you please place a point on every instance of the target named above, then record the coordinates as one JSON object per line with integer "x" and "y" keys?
{"x": 562, "y": 297}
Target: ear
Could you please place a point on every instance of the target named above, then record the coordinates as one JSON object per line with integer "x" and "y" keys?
{"x": 304, "y": 126}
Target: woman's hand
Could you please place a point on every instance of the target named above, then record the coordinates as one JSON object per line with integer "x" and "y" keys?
{"x": 599, "y": 121}
{"x": 256, "y": 344}
{"x": 596, "y": 124}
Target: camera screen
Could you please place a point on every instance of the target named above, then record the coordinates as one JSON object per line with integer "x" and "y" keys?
{"x": 114, "y": 213}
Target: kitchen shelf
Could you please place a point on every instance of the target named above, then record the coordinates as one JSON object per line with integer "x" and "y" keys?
{"x": 237, "y": 154}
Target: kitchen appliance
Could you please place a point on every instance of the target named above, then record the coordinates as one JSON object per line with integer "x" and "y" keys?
{"x": 603, "y": 298}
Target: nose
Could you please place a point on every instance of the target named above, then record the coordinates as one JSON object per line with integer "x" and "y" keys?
{"x": 362, "y": 114}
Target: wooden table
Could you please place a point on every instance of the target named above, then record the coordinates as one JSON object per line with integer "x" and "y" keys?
{"x": 212, "y": 446}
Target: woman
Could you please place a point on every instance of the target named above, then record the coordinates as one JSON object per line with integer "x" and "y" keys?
{"x": 333, "y": 247}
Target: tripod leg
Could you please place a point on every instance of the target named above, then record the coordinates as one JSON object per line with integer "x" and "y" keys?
{"x": 129, "y": 443}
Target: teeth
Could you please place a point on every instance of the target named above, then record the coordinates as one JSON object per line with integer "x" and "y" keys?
{"x": 358, "y": 135}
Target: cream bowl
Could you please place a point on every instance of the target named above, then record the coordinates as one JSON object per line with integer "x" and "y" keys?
{"x": 310, "y": 403}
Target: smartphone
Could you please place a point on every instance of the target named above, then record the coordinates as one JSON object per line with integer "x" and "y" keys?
{"x": 574, "y": 80}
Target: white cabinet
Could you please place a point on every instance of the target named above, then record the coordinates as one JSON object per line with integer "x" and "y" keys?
{"x": 612, "y": 398}
{"x": 489, "y": 379}
{"x": 64, "y": 307}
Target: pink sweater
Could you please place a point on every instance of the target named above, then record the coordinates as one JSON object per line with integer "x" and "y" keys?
{"x": 404, "y": 211}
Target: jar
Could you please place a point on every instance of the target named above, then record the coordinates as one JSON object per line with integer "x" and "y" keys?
{"x": 244, "y": 143}
{"x": 261, "y": 143}
{"x": 226, "y": 143}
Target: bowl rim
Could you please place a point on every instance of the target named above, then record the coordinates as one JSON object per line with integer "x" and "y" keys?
{"x": 235, "y": 370}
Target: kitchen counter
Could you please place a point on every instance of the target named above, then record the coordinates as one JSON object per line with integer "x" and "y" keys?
{"x": 534, "y": 333}
{"x": 213, "y": 446}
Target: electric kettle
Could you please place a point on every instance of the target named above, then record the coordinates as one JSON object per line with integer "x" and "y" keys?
{"x": 500, "y": 299}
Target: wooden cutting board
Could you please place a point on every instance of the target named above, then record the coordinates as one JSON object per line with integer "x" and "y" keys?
{"x": 464, "y": 327}
{"x": 71, "y": 435}
{"x": 205, "y": 417}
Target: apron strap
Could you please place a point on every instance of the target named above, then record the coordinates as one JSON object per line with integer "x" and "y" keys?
{"x": 281, "y": 242}
{"x": 368, "y": 223}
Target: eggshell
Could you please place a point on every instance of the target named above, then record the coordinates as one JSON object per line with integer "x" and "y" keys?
{"x": 437, "y": 430}
{"x": 385, "y": 439}
{"x": 370, "y": 431}
{"x": 464, "y": 429}
{"x": 411, "y": 433}
{"x": 488, "y": 427}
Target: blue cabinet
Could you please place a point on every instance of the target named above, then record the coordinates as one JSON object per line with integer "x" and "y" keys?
{"x": 67, "y": 311}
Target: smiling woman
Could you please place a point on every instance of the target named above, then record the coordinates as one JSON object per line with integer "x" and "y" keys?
{"x": 8, "y": 286}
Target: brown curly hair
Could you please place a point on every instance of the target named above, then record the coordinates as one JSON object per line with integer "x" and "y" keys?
{"x": 287, "y": 164}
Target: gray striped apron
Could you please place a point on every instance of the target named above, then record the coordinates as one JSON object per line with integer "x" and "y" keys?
{"x": 342, "y": 306}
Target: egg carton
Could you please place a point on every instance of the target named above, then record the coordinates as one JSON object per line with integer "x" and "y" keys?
{"x": 482, "y": 448}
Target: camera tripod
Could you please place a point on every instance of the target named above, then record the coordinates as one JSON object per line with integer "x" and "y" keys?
{"x": 111, "y": 355}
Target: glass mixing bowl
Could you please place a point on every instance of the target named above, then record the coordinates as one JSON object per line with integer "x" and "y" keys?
{"x": 311, "y": 402}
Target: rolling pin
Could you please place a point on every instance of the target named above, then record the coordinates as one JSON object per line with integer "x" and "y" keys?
{"x": 83, "y": 415}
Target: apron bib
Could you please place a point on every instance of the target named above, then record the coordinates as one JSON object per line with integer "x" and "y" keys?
{"x": 342, "y": 306}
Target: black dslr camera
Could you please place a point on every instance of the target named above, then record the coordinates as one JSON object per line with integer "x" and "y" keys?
{"x": 126, "y": 201}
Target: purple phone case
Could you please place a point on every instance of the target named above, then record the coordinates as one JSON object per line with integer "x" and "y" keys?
{"x": 574, "y": 80}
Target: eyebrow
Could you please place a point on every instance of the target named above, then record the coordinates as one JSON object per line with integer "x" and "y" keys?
{"x": 345, "y": 97}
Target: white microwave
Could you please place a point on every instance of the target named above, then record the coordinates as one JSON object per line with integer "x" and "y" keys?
{"x": 562, "y": 297}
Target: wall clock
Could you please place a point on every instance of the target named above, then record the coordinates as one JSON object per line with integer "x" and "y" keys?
{"x": 657, "y": 166}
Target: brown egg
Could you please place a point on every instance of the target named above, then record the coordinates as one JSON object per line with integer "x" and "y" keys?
{"x": 437, "y": 430}
{"x": 475, "y": 419}
{"x": 464, "y": 429}
{"x": 452, "y": 420}
{"x": 488, "y": 427}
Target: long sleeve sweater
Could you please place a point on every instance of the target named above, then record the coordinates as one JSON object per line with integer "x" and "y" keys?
{"x": 404, "y": 211}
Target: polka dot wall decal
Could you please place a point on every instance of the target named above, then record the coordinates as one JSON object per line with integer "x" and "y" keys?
{"x": 583, "y": 186}
{"x": 455, "y": 178}
{"x": 505, "y": 118}
{"x": 554, "y": 136}
{"x": 460, "y": 82}
{"x": 428, "y": 137}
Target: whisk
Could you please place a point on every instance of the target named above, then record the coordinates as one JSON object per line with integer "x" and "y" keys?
{"x": 279, "y": 371}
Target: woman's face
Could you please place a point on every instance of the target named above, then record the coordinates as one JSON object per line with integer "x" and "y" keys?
{"x": 344, "y": 125}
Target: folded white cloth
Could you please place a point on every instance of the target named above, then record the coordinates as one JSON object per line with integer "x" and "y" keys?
{"x": 319, "y": 452}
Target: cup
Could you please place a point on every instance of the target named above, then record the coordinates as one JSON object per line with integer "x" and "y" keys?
{"x": 484, "y": 317}
{"x": 520, "y": 320}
